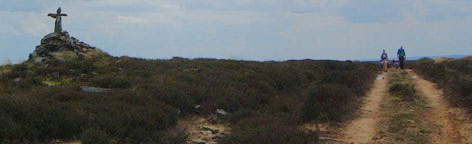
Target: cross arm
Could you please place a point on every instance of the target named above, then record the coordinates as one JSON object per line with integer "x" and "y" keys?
{"x": 52, "y": 15}
{"x": 55, "y": 15}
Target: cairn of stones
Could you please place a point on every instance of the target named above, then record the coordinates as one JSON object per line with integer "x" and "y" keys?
{"x": 59, "y": 44}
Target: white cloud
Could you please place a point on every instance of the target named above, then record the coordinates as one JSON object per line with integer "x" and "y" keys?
{"x": 35, "y": 28}
{"x": 167, "y": 6}
{"x": 322, "y": 3}
{"x": 7, "y": 29}
{"x": 131, "y": 19}
{"x": 251, "y": 29}
{"x": 23, "y": 23}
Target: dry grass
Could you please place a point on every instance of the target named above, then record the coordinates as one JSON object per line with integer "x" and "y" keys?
{"x": 404, "y": 111}
{"x": 441, "y": 60}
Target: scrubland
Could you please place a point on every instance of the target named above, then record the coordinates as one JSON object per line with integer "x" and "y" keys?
{"x": 454, "y": 76}
{"x": 267, "y": 101}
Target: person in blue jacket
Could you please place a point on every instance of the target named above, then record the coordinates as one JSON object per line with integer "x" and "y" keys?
{"x": 401, "y": 57}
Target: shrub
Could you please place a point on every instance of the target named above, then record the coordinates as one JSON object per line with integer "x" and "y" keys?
{"x": 406, "y": 91}
{"x": 36, "y": 120}
{"x": 62, "y": 113}
{"x": 129, "y": 116}
{"x": 265, "y": 129}
{"x": 109, "y": 81}
{"x": 454, "y": 76}
{"x": 173, "y": 94}
{"x": 402, "y": 86}
{"x": 9, "y": 129}
{"x": 95, "y": 136}
{"x": 171, "y": 136}
{"x": 331, "y": 102}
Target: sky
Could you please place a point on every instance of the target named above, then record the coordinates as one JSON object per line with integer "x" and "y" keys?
{"x": 244, "y": 29}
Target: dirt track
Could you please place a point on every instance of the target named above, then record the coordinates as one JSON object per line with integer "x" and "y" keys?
{"x": 363, "y": 129}
{"x": 453, "y": 125}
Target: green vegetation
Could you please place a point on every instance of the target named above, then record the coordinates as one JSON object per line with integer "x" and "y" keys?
{"x": 404, "y": 109}
{"x": 454, "y": 76}
{"x": 95, "y": 136}
{"x": 267, "y": 100}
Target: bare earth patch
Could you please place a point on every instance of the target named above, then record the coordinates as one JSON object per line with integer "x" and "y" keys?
{"x": 328, "y": 134}
{"x": 202, "y": 130}
{"x": 363, "y": 129}
{"x": 453, "y": 124}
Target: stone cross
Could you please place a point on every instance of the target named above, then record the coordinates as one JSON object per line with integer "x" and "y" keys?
{"x": 58, "y": 16}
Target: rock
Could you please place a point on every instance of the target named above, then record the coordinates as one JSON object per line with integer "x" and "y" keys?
{"x": 17, "y": 80}
{"x": 197, "y": 106}
{"x": 213, "y": 130}
{"x": 191, "y": 70}
{"x": 38, "y": 60}
{"x": 50, "y": 83}
{"x": 54, "y": 42}
{"x": 221, "y": 112}
{"x": 94, "y": 89}
{"x": 198, "y": 141}
{"x": 206, "y": 133}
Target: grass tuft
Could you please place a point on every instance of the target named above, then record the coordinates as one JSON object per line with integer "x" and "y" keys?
{"x": 404, "y": 109}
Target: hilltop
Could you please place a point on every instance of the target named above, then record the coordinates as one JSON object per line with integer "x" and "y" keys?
{"x": 98, "y": 97}
{"x": 70, "y": 91}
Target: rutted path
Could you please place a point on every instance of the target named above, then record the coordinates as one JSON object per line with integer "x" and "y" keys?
{"x": 363, "y": 129}
{"x": 452, "y": 123}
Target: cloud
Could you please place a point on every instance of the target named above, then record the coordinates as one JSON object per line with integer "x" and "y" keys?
{"x": 250, "y": 29}
{"x": 131, "y": 19}
{"x": 23, "y": 23}
{"x": 35, "y": 28}
{"x": 8, "y": 29}
{"x": 167, "y": 6}
{"x": 365, "y": 11}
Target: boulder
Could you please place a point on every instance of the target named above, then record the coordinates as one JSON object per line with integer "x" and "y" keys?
{"x": 17, "y": 80}
{"x": 94, "y": 89}
{"x": 213, "y": 130}
{"x": 38, "y": 59}
{"x": 221, "y": 112}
